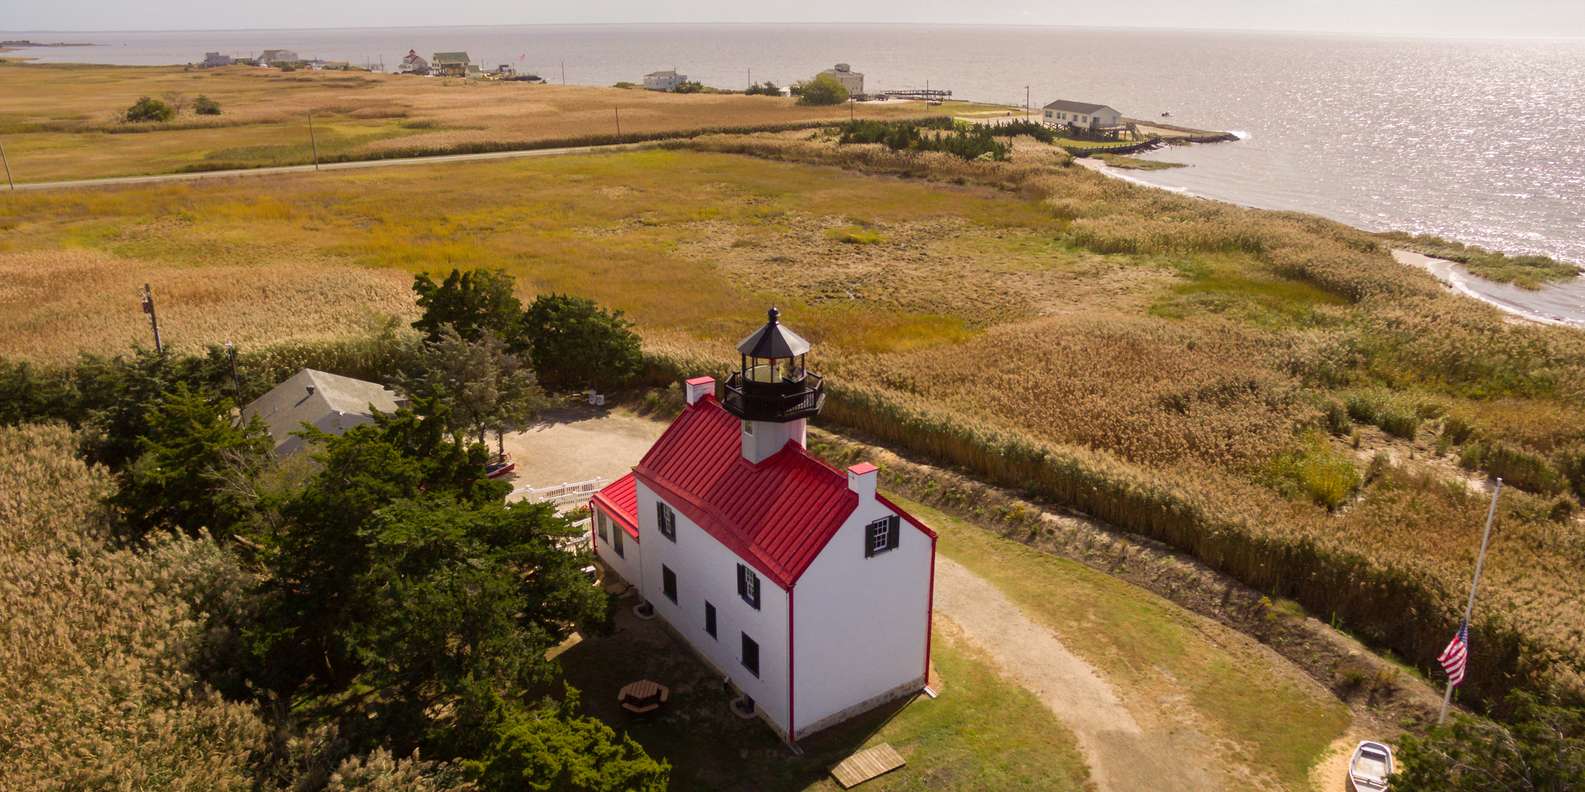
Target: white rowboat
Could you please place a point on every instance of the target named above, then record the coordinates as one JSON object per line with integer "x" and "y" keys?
{"x": 1370, "y": 768}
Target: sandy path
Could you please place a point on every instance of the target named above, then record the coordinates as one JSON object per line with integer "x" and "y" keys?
{"x": 1124, "y": 755}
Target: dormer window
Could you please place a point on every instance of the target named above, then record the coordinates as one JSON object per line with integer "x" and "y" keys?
{"x": 748, "y": 427}
{"x": 748, "y": 585}
{"x": 667, "y": 520}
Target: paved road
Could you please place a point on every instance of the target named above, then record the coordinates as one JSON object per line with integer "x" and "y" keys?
{"x": 329, "y": 166}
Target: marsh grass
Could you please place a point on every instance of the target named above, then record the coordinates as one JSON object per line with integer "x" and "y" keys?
{"x": 1529, "y": 272}
{"x": 1137, "y": 356}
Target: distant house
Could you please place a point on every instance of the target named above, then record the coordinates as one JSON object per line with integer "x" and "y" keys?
{"x": 664, "y": 80}
{"x": 276, "y": 57}
{"x": 213, "y": 59}
{"x": 851, "y": 80}
{"x": 1082, "y": 115}
{"x": 330, "y": 403}
{"x": 451, "y": 64}
{"x": 412, "y": 63}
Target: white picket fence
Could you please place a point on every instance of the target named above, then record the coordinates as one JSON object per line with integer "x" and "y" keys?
{"x": 564, "y": 493}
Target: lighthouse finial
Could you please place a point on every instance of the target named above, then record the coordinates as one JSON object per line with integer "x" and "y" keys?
{"x": 773, "y": 314}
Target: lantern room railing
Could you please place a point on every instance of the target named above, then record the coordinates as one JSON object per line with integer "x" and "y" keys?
{"x": 783, "y": 400}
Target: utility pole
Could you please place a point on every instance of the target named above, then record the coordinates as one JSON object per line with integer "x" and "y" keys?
{"x": 154, "y": 321}
{"x": 8, "y": 167}
{"x": 563, "y": 71}
{"x": 751, "y": 77}
{"x": 618, "y": 112}
{"x": 311, "y": 140}
{"x": 1026, "y": 104}
{"x": 1469, "y": 607}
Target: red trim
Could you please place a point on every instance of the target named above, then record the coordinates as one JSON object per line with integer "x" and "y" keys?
{"x": 930, "y": 609}
{"x": 792, "y": 691}
{"x": 612, "y": 499}
{"x": 594, "y": 543}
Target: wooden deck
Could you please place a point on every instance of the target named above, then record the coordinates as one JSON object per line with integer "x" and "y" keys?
{"x": 867, "y": 764}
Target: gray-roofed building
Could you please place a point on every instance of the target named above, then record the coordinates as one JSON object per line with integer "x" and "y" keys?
{"x": 330, "y": 403}
{"x": 1081, "y": 114}
{"x": 451, "y": 64}
{"x": 273, "y": 57}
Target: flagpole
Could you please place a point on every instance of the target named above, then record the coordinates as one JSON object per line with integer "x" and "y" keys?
{"x": 1469, "y": 607}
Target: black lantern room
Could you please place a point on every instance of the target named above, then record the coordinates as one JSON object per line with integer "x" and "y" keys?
{"x": 773, "y": 382}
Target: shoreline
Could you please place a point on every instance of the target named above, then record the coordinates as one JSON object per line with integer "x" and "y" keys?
{"x": 1537, "y": 306}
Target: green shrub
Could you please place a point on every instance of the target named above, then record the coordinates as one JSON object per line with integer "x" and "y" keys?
{"x": 1318, "y": 472}
{"x": 1519, "y": 468}
{"x": 1571, "y": 463}
{"x": 203, "y": 105}
{"x": 149, "y": 109}
{"x": 1399, "y": 422}
{"x": 822, "y": 90}
{"x": 1335, "y": 419}
{"x": 766, "y": 88}
{"x": 1457, "y": 430}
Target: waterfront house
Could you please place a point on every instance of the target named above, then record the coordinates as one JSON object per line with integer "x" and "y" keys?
{"x": 451, "y": 64}
{"x": 413, "y": 63}
{"x": 214, "y": 59}
{"x": 806, "y": 589}
{"x": 330, "y": 403}
{"x": 1081, "y": 115}
{"x": 277, "y": 57}
{"x": 664, "y": 80}
{"x": 851, "y": 80}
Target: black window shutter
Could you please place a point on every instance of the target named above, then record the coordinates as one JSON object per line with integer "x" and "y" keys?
{"x": 869, "y": 539}
{"x": 742, "y": 584}
{"x": 893, "y": 524}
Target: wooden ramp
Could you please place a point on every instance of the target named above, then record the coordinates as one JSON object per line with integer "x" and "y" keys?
{"x": 867, "y": 764}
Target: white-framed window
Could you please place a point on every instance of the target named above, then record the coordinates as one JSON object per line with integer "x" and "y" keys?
{"x": 750, "y": 655}
{"x": 601, "y": 523}
{"x": 882, "y": 535}
{"x": 748, "y": 428}
{"x": 616, "y": 540}
{"x": 668, "y": 583}
{"x": 748, "y": 585}
{"x": 667, "y": 519}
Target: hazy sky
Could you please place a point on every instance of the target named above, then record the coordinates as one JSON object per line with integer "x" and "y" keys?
{"x": 1400, "y": 17}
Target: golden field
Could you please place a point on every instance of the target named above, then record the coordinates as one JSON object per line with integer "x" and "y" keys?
{"x": 63, "y": 121}
{"x": 1162, "y": 363}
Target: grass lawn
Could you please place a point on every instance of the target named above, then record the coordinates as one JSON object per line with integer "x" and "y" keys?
{"x": 981, "y": 733}
{"x": 1155, "y": 651}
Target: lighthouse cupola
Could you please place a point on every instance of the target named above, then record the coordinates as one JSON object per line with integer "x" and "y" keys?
{"x": 773, "y": 390}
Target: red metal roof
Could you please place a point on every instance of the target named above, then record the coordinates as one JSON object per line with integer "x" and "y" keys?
{"x": 776, "y": 515}
{"x": 619, "y": 499}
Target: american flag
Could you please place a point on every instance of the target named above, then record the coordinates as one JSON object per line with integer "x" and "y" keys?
{"x": 1456, "y": 655}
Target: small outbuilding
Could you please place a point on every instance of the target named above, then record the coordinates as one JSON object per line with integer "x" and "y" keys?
{"x": 328, "y": 402}
{"x": 667, "y": 80}
{"x": 851, "y": 80}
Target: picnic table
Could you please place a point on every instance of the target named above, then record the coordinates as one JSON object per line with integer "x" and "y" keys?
{"x": 643, "y": 697}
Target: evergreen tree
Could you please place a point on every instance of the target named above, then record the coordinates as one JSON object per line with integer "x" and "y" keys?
{"x": 483, "y": 385}
{"x": 474, "y": 302}
{"x": 576, "y": 343}
{"x": 1541, "y": 749}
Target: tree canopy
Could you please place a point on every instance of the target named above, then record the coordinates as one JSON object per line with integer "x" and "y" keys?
{"x": 822, "y": 90}
{"x": 1541, "y": 749}
{"x": 576, "y": 343}
{"x": 474, "y": 302}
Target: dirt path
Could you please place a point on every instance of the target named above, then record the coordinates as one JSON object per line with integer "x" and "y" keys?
{"x": 1124, "y": 754}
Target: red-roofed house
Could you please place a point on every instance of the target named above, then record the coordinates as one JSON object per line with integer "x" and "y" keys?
{"x": 800, "y": 583}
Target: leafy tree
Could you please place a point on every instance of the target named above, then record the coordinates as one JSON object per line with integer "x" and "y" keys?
{"x": 203, "y": 105}
{"x": 315, "y": 552}
{"x": 149, "y": 109}
{"x": 689, "y": 87}
{"x": 484, "y": 386}
{"x": 766, "y": 88}
{"x": 822, "y": 90}
{"x": 474, "y": 302}
{"x": 1542, "y": 749}
{"x": 465, "y": 601}
{"x": 558, "y": 749}
{"x": 195, "y": 467}
{"x": 576, "y": 343}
